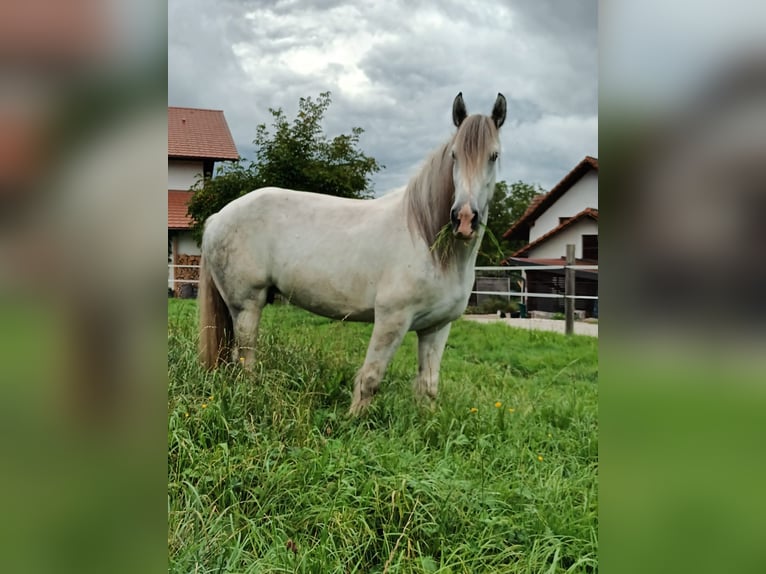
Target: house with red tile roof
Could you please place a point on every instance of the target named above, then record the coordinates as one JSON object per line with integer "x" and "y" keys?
{"x": 197, "y": 139}
{"x": 567, "y": 214}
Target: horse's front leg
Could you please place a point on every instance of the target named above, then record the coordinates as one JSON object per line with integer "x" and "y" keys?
{"x": 431, "y": 343}
{"x": 387, "y": 335}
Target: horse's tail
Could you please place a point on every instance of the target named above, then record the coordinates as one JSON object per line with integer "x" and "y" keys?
{"x": 215, "y": 324}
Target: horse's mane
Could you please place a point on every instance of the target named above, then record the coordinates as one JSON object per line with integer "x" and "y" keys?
{"x": 430, "y": 194}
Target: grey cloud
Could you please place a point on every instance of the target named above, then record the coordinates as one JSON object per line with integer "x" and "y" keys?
{"x": 574, "y": 19}
{"x": 541, "y": 55}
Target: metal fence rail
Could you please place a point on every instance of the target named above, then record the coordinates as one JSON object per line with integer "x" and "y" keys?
{"x": 499, "y": 293}
{"x": 172, "y": 281}
{"x": 522, "y": 268}
{"x": 568, "y": 296}
{"x": 540, "y": 295}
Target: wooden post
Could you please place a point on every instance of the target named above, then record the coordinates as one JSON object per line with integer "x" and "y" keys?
{"x": 524, "y": 297}
{"x": 569, "y": 289}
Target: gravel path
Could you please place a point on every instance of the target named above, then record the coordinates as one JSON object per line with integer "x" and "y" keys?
{"x": 580, "y": 328}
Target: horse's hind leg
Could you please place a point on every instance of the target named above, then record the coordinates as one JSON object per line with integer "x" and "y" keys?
{"x": 387, "y": 335}
{"x": 246, "y": 321}
{"x": 431, "y": 345}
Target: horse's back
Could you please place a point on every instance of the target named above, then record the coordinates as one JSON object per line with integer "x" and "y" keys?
{"x": 322, "y": 252}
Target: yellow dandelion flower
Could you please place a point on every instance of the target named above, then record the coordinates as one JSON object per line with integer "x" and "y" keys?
{"x": 204, "y": 405}
{"x": 211, "y": 398}
{"x": 242, "y": 359}
{"x": 186, "y": 414}
{"x": 498, "y": 404}
{"x": 511, "y": 410}
{"x": 473, "y": 410}
{"x": 540, "y": 457}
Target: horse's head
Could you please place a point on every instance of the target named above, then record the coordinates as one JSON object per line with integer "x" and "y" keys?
{"x": 475, "y": 149}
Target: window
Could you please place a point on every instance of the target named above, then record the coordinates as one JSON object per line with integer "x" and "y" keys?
{"x": 590, "y": 247}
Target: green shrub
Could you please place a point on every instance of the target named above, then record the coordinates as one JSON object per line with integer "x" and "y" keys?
{"x": 495, "y": 304}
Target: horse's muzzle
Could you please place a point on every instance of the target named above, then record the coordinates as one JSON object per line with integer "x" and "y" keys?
{"x": 465, "y": 222}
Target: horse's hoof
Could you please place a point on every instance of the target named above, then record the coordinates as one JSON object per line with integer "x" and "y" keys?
{"x": 357, "y": 408}
{"x": 426, "y": 403}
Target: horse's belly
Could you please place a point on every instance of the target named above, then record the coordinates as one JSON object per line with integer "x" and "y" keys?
{"x": 341, "y": 314}
{"x": 330, "y": 300}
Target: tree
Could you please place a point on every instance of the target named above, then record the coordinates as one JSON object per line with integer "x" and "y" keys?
{"x": 295, "y": 155}
{"x": 211, "y": 194}
{"x": 508, "y": 204}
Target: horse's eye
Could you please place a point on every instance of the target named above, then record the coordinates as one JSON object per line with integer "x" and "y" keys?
{"x": 493, "y": 156}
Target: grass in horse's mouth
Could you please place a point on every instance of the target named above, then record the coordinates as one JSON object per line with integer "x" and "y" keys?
{"x": 493, "y": 239}
{"x": 444, "y": 242}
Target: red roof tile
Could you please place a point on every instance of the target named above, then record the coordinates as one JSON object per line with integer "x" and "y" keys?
{"x": 537, "y": 207}
{"x": 178, "y": 218}
{"x": 197, "y": 133}
{"x": 587, "y": 212}
{"x": 533, "y": 204}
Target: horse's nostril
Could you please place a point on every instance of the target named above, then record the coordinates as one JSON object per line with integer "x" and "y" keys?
{"x": 453, "y": 215}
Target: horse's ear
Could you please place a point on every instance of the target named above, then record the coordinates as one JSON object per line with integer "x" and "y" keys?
{"x": 459, "y": 112}
{"x": 499, "y": 110}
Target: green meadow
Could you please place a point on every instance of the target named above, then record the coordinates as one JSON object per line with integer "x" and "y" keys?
{"x": 267, "y": 473}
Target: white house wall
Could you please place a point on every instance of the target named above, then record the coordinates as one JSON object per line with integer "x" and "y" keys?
{"x": 582, "y": 194}
{"x": 183, "y": 174}
{"x": 186, "y": 244}
{"x": 556, "y": 246}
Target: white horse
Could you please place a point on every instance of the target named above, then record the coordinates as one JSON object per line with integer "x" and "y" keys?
{"x": 385, "y": 260}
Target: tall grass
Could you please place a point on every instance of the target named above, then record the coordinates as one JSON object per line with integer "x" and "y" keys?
{"x": 267, "y": 473}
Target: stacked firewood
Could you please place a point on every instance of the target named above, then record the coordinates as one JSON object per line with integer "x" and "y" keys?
{"x": 186, "y": 273}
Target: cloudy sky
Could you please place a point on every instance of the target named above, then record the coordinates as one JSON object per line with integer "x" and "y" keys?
{"x": 394, "y": 67}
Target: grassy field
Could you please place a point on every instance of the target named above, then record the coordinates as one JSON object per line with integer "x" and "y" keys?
{"x": 266, "y": 473}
